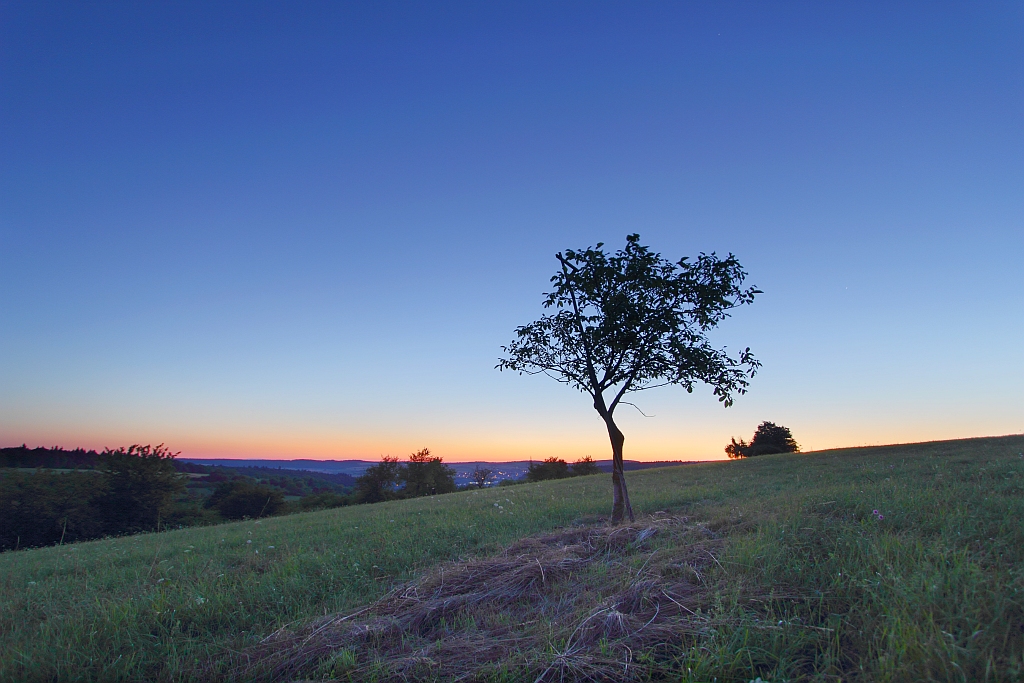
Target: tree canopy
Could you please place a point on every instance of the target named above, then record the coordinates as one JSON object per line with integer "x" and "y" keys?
{"x": 423, "y": 475}
{"x": 630, "y": 321}
{"x": 769, "y": 439}
{"x": 427, "y": 475}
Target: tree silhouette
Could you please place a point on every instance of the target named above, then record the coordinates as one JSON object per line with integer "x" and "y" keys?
{"x": 585, "y": 466}
{"x": 378, "y": 482}
{"x": 140, "y": 484}
{"x": 769, "y": 439}
{"x": 427, "y": 475}
{"x": 632, "y": 321}
{"x": 551, "y": 468}
{"x": 481, "y": 476}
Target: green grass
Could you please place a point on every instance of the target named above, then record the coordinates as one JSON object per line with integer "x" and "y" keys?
{"x": 811, "y": 584}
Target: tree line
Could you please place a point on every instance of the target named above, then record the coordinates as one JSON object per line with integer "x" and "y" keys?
{"x": 129, "y": 490}
{"x": 51, "y": 496}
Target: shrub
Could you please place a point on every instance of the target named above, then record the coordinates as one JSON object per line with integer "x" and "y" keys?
{"x": 769, "y": 438}
{"x": 551, "y": 468}
{"x": 140, "y": 486}
{"x": 585, "y": 466}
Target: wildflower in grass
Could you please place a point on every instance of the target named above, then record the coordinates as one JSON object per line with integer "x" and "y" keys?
{"x": 878, "y": 515}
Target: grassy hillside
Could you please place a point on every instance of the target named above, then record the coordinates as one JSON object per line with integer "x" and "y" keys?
{"x": 808, "y": 581}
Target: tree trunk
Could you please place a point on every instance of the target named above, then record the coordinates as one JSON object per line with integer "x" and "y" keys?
{"x": 620, "y": 496}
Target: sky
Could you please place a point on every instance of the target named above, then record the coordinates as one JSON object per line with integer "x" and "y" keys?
{"x": 305, "y": 230}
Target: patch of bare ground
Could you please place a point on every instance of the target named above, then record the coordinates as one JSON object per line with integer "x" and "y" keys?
{"x": 581, "y": 604}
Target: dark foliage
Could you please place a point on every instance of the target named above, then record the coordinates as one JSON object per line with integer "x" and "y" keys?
{"x": 140, "y": 485}
{"x": 427, "y": 475}
{"x": 585, "y": 466}
{"x": 297, "y": 482}
{"x": 243, "y": 499}
{"x": 379, "y": 482}
{"x": 190, "y": 467}
{"x": 769, "y": 439}
{"x": 481, "y": 476}
{"x": 630, "y": 321}
{"x": 424, "y": 475}
{"x": 556, "y": 468}
{"x": 130, "y": 490}
{"x": 323, "y": 501}
{"x": 43, "y": 508}
{"x": 51, "y": 458}
{"x": 551, "y": 468}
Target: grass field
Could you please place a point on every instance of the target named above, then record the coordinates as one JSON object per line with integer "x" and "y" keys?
{"x": 899, "y": 563}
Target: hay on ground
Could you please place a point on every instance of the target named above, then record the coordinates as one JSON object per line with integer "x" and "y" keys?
{"x": 574, "y": 605}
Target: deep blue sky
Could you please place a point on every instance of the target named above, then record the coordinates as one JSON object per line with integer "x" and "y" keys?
{"x": 300, "y": 229}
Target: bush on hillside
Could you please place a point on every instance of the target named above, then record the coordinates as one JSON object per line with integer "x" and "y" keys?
{"x": 141, "y": 483}
{"x": 769, "y": 439}
{"x": 131, "y": 490}
{"x": 43, "y": 508}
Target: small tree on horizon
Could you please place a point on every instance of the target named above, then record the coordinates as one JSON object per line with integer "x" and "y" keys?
{"x": 631, "y": 321}
{"x": 481, "y": 476}
{"x": 769, "y": 439}
{"x": 427, "y": 475}
{"x": 585, "y": 466}
{"x": 550, "y": 468}
{"x": 378, "y": 482}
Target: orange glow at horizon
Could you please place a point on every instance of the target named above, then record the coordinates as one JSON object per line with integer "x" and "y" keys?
{"x": 282, "y": 447}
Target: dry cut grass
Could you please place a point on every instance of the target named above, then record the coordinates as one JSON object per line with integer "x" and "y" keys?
{"x": 572, "y": 605}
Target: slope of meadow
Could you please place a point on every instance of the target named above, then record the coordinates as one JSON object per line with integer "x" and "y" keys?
{"x": 890, "y": 563}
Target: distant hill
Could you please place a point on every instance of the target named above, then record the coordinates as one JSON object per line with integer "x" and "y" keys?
{"x": 341, "y": 472}
{"x": 463, "y": 470}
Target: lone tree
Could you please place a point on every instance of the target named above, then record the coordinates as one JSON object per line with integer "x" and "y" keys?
{"x": 632, "y": 321}
{"x": 427, "y": 475}
{"x": 481, "y": 476}
{"x": 378, "y": 482}
{"x": 769, "y": 439}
